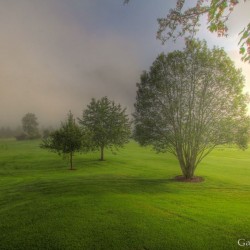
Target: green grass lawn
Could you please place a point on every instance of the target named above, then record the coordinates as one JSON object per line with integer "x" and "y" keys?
{"x": 128, "y": 201}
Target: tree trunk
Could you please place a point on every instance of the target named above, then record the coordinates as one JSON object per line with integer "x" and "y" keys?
{"x": 189, "y": 173}
{"x": 102, "y": 154}
{"x": 187, "y": 167}
{"x": 71, "y": 161}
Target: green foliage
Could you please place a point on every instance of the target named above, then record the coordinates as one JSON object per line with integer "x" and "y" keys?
{"x": 30, "y": 126}
{"x": 46, "y": 132}
{"x": 65, "y": 141}
{"x": 242, "y": 136}
{"x": 106, "y": 123}
{"x": 186, "y": 22}
{"x": 190, "y": 102}
{"x": 245, "y": 43}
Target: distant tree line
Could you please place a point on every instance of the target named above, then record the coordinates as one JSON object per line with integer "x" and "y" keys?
{"x": 8, "y": 132}
{"x": 28, "y": 131}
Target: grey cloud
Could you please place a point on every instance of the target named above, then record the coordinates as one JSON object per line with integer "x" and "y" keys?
{"x": 50, "y": 63}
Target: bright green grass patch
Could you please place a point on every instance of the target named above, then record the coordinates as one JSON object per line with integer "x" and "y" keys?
{"x": 126, "y": 202}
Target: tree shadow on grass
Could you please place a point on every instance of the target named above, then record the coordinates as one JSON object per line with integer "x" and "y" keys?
{"x": 98, "y": 186}
{"x": 77, "y": 187}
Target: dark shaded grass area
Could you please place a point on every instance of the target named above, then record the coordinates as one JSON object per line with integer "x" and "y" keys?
{"x": 129, "y": 201}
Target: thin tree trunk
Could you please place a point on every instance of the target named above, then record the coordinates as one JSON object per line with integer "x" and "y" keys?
{"x": 102, "y": 153}
{"x": 182, "y": 163}
{"x": 189, "y": 173}
{"x": 189, "y": 170}
{"x": 187, "y": 167}
{"x": 71, "y": 161}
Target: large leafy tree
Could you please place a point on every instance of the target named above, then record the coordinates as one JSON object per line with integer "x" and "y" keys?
{"x": 182, "y": 21}
{"x": 30, "y": 125}
{"x": 189, "y": 102}
{"x": 65, "y": 141}
{"x": 107, "y": 123}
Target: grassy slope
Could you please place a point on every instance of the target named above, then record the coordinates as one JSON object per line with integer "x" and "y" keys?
{"x": 126, "y": 202}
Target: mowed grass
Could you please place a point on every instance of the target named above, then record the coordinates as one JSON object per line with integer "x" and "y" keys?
{"x": 128, "y": 201}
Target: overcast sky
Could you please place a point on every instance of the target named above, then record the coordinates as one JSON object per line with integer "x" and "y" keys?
{"x": 58, "y": 54}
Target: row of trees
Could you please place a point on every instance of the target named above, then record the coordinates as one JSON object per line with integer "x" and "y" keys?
{"x": 188, "y": 103}
{"x": 103, "y": 124}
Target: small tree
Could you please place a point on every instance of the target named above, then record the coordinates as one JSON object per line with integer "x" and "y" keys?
{"x": 107, "y": 124}
{"x": 189, "y": 103}
{"x": 65, "y": 141}
{"x": 30, "y": 126}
